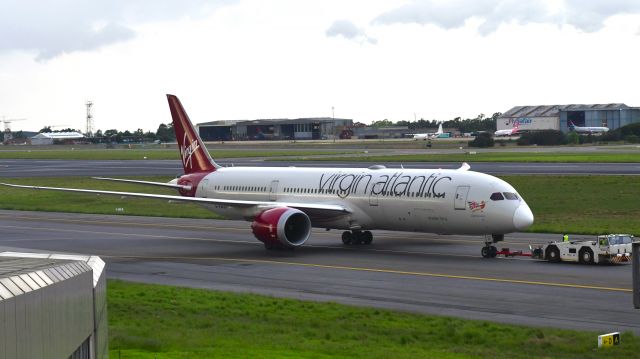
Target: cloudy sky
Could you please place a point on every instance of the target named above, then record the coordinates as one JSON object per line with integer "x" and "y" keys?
{"x": 369, "y": 60}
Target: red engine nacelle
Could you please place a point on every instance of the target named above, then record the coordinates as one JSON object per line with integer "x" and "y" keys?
{"x": 282, "y": 227}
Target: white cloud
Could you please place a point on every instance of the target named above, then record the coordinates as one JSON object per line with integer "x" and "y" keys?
{"x": 350, "y": 31}
{"x": 588, "y": 16}
{"x": 50, "y": 28}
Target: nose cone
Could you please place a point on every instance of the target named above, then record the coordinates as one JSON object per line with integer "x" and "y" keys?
{"x": 522, "y": 217}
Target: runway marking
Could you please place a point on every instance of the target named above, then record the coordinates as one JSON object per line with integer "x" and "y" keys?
{"x": 251, "y": 242}
{"x": 179, "y": 226}
{"x": 389, "y": 271}
{"x": 256, "y": 242}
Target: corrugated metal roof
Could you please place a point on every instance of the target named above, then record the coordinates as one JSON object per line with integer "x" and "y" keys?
{"x": 554, "y": 110}
{"x": 19, "y": 275}
{"x": 59, "y": 135}
{"x": 273, "y": 121}
{"x": 63, "y": 265}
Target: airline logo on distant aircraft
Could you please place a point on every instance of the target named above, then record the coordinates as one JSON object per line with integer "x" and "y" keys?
{"x": 520, "y": 121}
{"x": 187, "y": 151}
{"x": 477, "y": 206}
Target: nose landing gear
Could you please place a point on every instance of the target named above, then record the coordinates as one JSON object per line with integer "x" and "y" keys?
{"x": 489, "y": 250}
{"x": 357, "y": 237}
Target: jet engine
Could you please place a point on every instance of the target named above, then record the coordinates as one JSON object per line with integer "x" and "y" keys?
{"x": 282, "y": 227}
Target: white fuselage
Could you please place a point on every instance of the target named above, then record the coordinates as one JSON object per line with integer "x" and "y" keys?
{"x": 422, "y": 200}
{"x": 590, "y": 129}
{"x": 423, "y": 136}
{"x": 509, "y": 132}
{"x": 426, "y": 136}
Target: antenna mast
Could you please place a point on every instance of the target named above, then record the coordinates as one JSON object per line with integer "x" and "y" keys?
{"x": 89, "y": 131}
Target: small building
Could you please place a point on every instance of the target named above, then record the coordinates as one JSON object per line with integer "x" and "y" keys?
{"x": 315, "y": 128}
{"x": 369, "y": 132}
{"x": 49, "y": 138}
{"x": 52, "y": 306}
{"x": 557, "y": 117}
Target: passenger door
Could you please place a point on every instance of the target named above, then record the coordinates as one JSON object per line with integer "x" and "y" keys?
{"x": 460, "y": 200}
{"x": 273, "y": 190}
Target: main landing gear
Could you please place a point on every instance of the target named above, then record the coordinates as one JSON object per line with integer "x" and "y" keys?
{"x": 357, "y": 237}
{"x": 489, "y": 250}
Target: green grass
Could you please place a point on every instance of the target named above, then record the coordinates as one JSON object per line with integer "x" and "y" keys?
{"x": 497, "y": 157}
{"x": 151, "y": 154}
{"x": 581, "y": 204}
{"x": 149, "y": 321}
{"x": 572, "y": 204}
{"x": 53, "y": 201}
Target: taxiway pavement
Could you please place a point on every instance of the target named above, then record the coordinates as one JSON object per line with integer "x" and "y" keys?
{"x": 423, "y": 273}
{"x": 119, "y": 168}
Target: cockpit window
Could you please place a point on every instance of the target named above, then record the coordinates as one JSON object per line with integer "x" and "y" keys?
{"x": 496, "y": 196}
{"x": 510, "y": 195}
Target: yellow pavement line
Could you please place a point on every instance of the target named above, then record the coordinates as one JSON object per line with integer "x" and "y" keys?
{"x": 391, "y": 271}
{"x": 158, "y": 236}
{"x": 252, "y": 241}
{"x": 179, "y": 226}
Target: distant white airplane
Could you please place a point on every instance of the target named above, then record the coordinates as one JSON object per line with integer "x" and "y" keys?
{"x": 587, "y": 129}
{"x": 284, "y": 203}
{"x": 509, "y": 132}
{"x": 426, "y": 136}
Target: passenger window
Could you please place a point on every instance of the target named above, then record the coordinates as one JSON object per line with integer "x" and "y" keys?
{"x": 496, "y": 196}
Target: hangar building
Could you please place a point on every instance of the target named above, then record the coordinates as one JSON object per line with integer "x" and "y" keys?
{"x": 273, "y": 129}
{"x": 52, "y": 306}
{"x": 557, "y": 117}
{"x": 48, "y": 138}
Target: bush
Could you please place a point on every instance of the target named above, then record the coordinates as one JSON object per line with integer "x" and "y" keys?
{"x": 482, "y": 140}
{"x": 622, "y": 133}
{"x": 573, "y": 138}
{"x": 543, "y": 138}
{"x": 632, "y": 139}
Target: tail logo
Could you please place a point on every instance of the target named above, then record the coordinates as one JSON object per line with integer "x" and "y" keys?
{"x": 187, "y": 151}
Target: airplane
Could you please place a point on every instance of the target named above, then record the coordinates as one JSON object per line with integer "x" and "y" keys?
{"x": 509, "y": 132}
{"x": 430, "y": 135}
{"x": 283, "y": 204}
{"x": 589, "y": 130}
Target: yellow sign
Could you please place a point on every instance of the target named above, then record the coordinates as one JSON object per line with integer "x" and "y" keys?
{"x": 609, "y": 340}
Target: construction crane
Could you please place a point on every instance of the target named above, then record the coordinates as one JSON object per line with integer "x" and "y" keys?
{"x": 7, "y": 128}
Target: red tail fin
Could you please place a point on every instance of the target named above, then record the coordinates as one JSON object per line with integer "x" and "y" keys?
{"x": 195, "y": 157}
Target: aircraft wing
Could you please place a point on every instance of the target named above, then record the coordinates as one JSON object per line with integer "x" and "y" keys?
{"x": 160, "y": 184}
{"x": 316, "y": 211}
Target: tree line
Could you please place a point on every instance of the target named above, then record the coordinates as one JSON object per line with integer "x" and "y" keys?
{"x": 480, "y": 123}
{"x": 164, "y": 133}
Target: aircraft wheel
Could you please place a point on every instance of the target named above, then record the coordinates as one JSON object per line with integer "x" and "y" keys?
{"x": 347, "y": 237}
{"x": 493, "y": 251}
{"x": 357, "y": 238}
{"x": 553, "y": 254}
{"x": 586, "y": 256}
{"x": 486, "y": 252}
{"x": 367, "y": 237}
